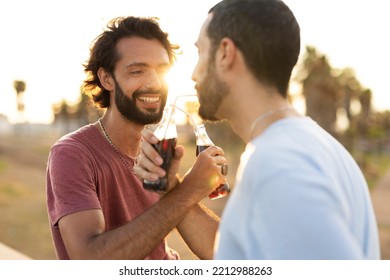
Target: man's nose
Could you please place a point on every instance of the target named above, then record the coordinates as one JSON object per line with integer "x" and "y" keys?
{"x": 155, "y": 81}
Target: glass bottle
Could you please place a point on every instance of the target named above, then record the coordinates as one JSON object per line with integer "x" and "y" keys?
{"x": 166, "y": 133}
{"x": 203, "y": 141}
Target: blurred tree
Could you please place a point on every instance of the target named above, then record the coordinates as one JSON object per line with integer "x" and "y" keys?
{"x": 320, "y": 89}
{"x": 364, "y": 118}
{"x": 329, "y": 91}
{"x": 20, "y": 87}
{"x": 85, "y": 111}
{"x": 351, "y": 90}
{"x": 62, "y": 116}
{"x": 70, "y": 116}
{"x": 61, "y": 111}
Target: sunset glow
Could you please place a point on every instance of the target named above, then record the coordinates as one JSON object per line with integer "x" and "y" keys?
{"x": 44, "y": 43}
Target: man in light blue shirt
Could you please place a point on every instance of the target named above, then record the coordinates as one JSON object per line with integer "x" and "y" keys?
{"x": 298, "y": 194}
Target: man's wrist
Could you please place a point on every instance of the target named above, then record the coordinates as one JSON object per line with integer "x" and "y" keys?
{"x": 172, "y": 184}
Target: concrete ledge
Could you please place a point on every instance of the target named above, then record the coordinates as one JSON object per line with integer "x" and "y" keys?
{"x": 7, "y": 253}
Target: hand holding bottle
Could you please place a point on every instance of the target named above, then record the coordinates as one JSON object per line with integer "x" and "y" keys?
{"x": 149, "y": 165}
{"x": 203, "y": 142}
{"x": 203, "y": 178}
{"x": 160, "y": 159}
{"x": 166, "y": 135}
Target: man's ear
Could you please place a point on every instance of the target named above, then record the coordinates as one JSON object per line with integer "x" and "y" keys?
{"x": 226, "y": 54}
{"x": 106, "y": 79}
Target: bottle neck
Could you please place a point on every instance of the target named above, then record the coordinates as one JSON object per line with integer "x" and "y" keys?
{"x": 202, "y": 138}
{"x": 166, "y": 129}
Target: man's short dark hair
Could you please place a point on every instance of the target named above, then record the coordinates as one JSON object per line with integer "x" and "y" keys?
{"x": 265, "y": 31}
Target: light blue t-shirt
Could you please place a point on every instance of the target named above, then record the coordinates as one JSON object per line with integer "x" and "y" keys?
{"x": 299, "y": 195}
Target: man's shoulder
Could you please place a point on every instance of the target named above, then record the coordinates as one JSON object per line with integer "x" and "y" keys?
{"x": 82, "y": 137}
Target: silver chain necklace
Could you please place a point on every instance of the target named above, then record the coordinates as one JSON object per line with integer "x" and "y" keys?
{"x": 262, "y": 117}
{"x": 116, "y": 149}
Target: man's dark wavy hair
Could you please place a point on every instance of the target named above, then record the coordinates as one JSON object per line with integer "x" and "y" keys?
{"x": 103, "y": 53}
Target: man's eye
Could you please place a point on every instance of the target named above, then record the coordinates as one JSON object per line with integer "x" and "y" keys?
{"x": 138, "y": 72}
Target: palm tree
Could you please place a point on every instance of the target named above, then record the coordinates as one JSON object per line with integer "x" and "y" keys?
{"x": 320, "y": 89}
{"x": 20, "y": 87}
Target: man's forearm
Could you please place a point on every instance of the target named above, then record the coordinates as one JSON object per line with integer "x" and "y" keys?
{"x": 139, "y": 237}
{"x": 198, "y": 229}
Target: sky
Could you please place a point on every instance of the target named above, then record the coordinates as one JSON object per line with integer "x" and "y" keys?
{"x": 45, "y": 43}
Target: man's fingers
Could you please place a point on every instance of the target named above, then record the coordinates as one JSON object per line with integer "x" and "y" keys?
{"x": 179, "y": 152}
{"x": 218, "y": 156}
{"x": 145, "y": 175}
{"x": 150, "y": 152}
{"x": 214, "y": 151}
{"x": 150, "y": 166}
{"x": 148, "y": 136}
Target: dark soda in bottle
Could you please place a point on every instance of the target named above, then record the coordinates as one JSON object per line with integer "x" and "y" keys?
{"x": 166, "y": 149}
{"x": 203, "y": 141}
{"x": 167, "y": 134}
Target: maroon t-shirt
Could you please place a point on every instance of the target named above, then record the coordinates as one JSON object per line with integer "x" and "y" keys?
{"x": 84, "y": 172}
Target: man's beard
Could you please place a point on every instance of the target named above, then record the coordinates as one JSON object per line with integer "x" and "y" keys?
{"x": 128, "y": 107}
{"x": 211, "y": 92}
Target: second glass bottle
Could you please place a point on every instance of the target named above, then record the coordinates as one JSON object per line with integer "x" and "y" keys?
{"x": 203, "y": 141}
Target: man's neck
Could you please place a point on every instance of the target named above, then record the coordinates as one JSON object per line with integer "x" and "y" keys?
{"x": 255, "y": 108}
{"x": 124, "y": 134}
